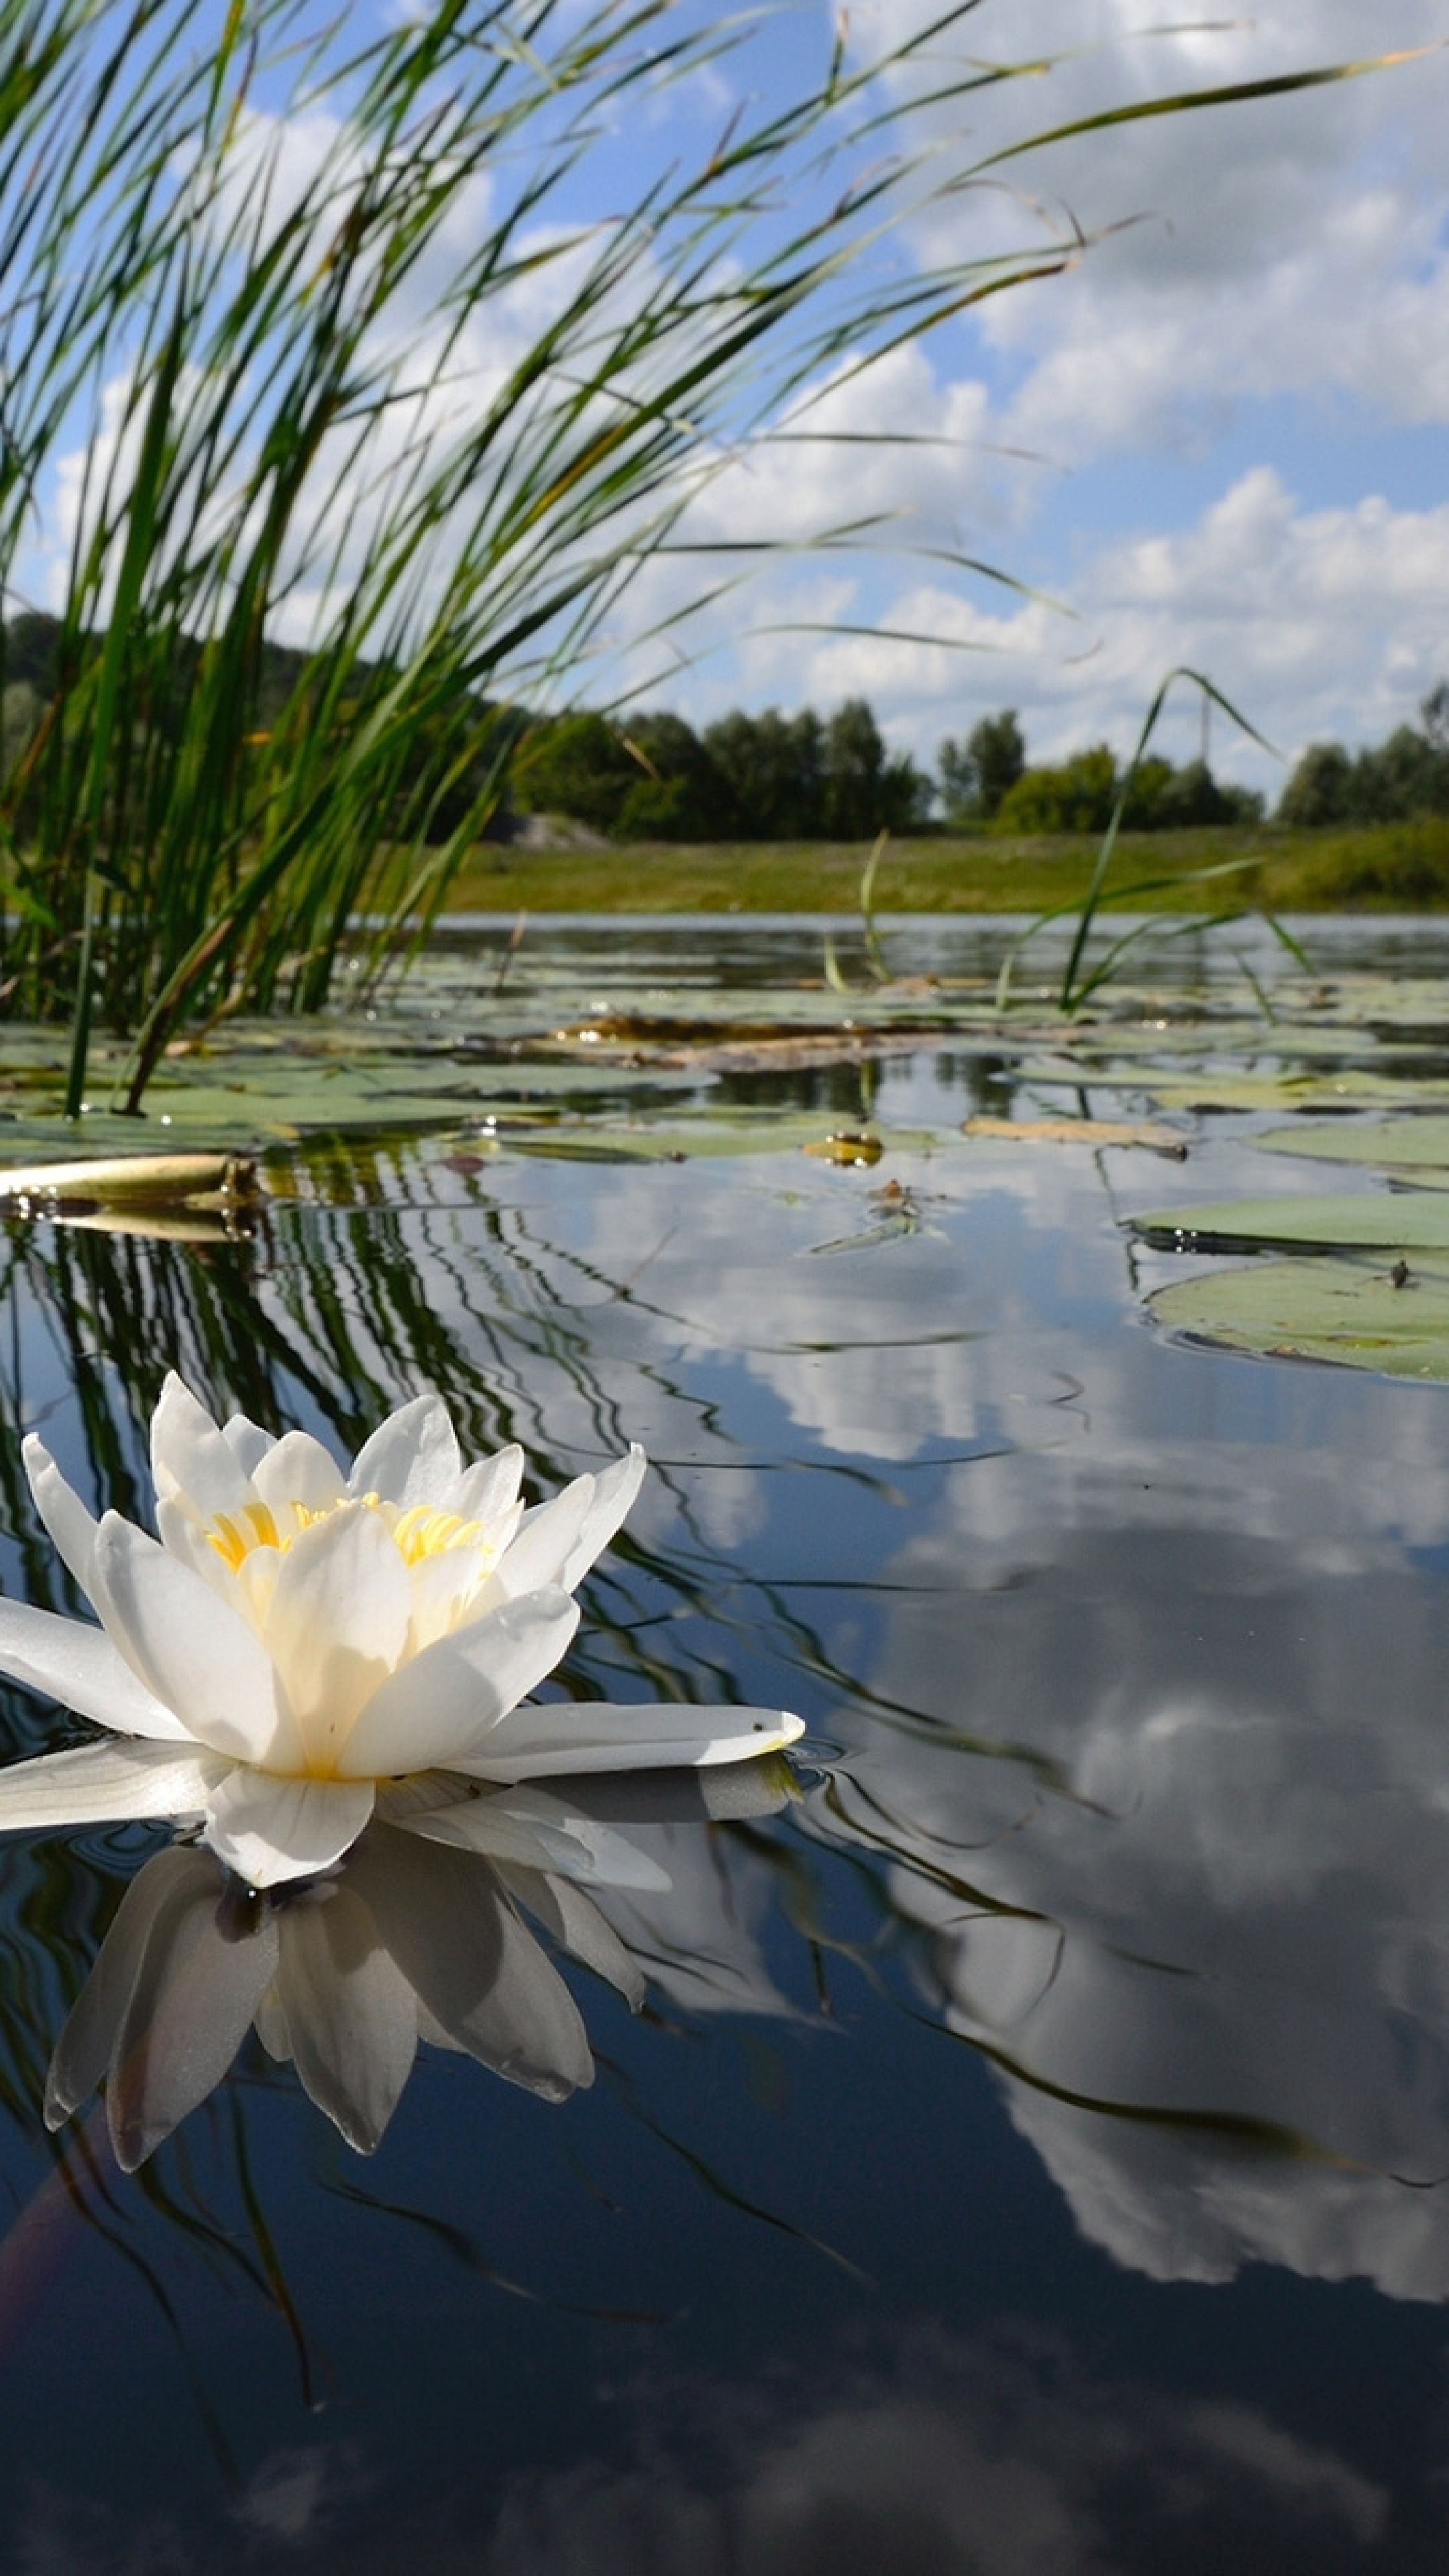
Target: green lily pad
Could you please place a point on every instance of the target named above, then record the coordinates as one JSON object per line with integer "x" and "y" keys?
{"x": 1352, "y": 1089}
{"x": 1380, "y": 1220}
{"x": 233, "y": 1099}
{"x": 1400, "y": 1144}
{"x": 1347, "y": 1313}
{"x": 739, "y": 1131}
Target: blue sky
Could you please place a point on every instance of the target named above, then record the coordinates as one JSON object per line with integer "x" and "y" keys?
{"x": 1237, "y": 404}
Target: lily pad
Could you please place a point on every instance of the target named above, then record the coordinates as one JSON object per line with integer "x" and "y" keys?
{"x": 1379, "y": 1220}
{"x": 1348, "y": 1313}
{"x": 737, "y": 1131}
{"x": 1352, "y": 1089}
{"x": 1400, "y": 1144}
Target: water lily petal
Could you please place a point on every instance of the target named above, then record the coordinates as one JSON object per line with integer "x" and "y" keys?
{"x": 442, "y": 1588}
{"x": 68, "y": 1660}
{"x": 558, "y": 1541}
{"x": 336, "y": 1625}
{"x": 297, "y": 1469}
{"x": 488, "y": 1489}
{"x": 574, "y": 1921}
{"x": 540, "y": 1832}
{"x": 269, "y": 1829}
{"x": 615, "y": 1493}
{"x": 545, "y": 1539}
{"x": 196, "y": 1654}
{"x": 72, "y": 1528}
{"x": 186, "y": 1537}
{"x": 351, "y": 2016}
{"x": 247, "y": 1441}
{"x": 94, "y": 1784}
{"x": 411, "y": 1458}
{"x": 568, "y": 1735}
{"x": 476, "y": 1971}
{"x": 167, "y": 2004}
{"x": 190, "y": 1456}
{"x": 448, "y": 1698}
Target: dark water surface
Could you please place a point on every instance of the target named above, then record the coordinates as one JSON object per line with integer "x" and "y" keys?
{"x": 1034, "y": 2157}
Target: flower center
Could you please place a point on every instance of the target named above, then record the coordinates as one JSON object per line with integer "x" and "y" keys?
{"x": 419, "y": 1532}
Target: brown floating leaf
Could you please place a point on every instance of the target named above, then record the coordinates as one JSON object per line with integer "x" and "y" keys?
{"x": 171, "y": 1180}
{"x": 151, "y": 1224}
{"x": 1081, "y": 1131}
{"x": 722, "y": 1049}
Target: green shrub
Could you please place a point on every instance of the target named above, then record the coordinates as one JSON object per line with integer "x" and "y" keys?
{"x": 1076, "y": 796}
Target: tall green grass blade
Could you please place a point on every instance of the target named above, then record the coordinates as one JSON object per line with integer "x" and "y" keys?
{"x": 1069, "y": 994}
{"x": 1225, "y": 94}
{"x": 871, "y": 935}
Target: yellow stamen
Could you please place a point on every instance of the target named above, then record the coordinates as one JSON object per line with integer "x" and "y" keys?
{"x": 227, "y": 1540}
{"x": 421, "y": 1531}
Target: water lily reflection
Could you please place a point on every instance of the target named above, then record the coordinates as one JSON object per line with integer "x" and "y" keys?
{"x": 411, "y": 1937}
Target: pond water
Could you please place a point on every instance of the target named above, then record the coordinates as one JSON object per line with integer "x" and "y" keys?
{"x": 1032, "y": 2157}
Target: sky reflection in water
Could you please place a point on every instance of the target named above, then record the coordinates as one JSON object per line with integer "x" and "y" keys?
{"x": 1030, "y": 2156}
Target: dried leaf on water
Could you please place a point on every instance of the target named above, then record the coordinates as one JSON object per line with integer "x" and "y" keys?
{"x": 1146, "y": 1132}
{"x": 158, "y": 1180}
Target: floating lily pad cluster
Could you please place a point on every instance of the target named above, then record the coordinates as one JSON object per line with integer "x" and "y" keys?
{"x": 1367, "y": 1285}
{"x": 636, "y": 1058}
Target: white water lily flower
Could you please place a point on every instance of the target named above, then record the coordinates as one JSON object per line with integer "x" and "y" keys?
{"x": 298, "y": 1639}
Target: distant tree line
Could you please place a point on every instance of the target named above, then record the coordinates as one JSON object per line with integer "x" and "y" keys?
{"x": 1387, "y": 782}
{"x": 986, "y": 779}
{"x": 751, "y": 778}
{"x": 773, "y": 777}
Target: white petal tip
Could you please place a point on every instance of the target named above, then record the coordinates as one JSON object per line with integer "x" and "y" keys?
{"x": 763, "y": 1738}
{"x": 787, "y": 1729}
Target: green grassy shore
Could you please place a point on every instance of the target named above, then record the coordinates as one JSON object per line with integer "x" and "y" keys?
{"x": 1390, "y": 867}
